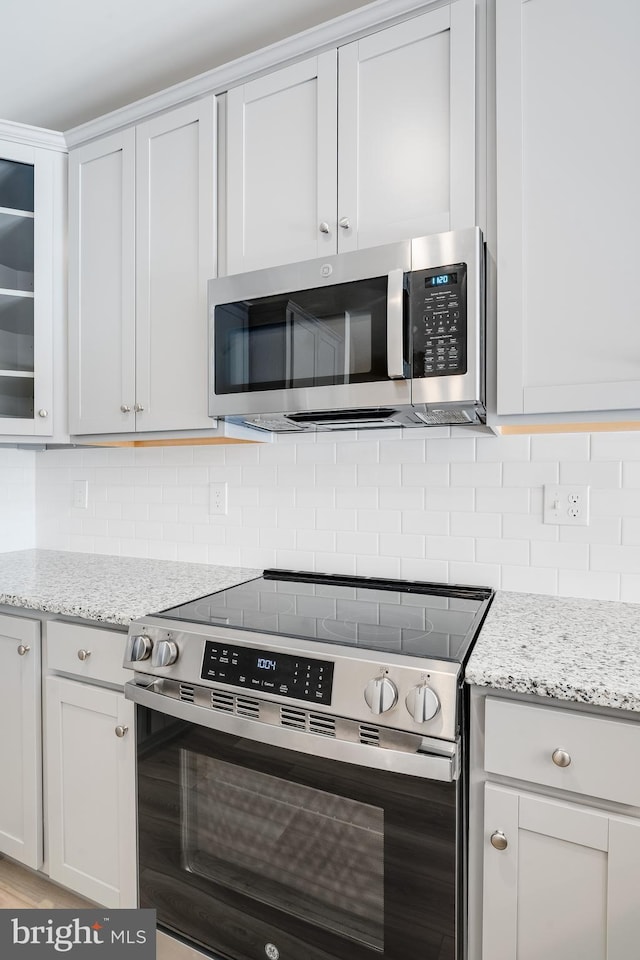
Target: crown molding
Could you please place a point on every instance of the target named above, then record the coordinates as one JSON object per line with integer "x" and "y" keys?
{"x": 32, "y": 136}
{"x": 343, "y": 29}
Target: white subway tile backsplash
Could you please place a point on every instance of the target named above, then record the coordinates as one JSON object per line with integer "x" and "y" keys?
{"x": 502, "y": 551}
{"x": 502, "y": 449}
{"x": 377, "y": 521}
{"x": 450, "y": 548}
{"x": 402, "y": 545}
{"x": 589, "y": 584}
{"x": 529, "y": 580}
{"x": 601, "y": 474}
{"x": 459, "y": 505}
{"x": 560, "y": 447}
{"x": 574, "y": 556}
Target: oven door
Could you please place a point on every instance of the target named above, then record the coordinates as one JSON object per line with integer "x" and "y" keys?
{"x": 251, "y": 850}
{"x": 322, "y": 335}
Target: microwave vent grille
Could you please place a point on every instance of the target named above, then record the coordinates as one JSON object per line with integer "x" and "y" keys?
{"x": 325, "y": 726}
{"x": 293, "y": 717}
{"x": 434, "y": 417}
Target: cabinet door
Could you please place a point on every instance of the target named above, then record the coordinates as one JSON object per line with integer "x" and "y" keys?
{"x": 176, "y": 228}
{"x": 565, "y": 886}
{"x": 406, "y": 135}
{"x": 91, "y": 820}
{"x": 281, "y": 166}
{"x": 27, "y": 256}
{"x": 20, "y": 744}
{"x": 568, "y": 134}
{"x": 102, "y": 285}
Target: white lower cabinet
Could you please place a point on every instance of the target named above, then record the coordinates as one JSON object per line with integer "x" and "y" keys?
{"x": 560, "y": 844}
{"x": 91, "y": 791}
{"x": 91, "y": 810}
{"x": 560, "y": 880}
{"x": 21, "y": 742}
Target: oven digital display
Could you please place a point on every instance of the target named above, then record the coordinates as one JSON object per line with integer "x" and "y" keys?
{"x": 279, "y": 673}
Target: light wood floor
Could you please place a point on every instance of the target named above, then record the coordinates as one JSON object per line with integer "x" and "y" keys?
{"x": 20, "y": 887}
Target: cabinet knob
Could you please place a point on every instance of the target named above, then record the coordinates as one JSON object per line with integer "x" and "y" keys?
{"x": 344, "y": 222}
{"x": 561, "y": 758}
{"x": 138, "y": 407}
{"x": 22, "y": 649}
{"x": 84, "y": 654}
{"x": 498, "y": 840}
{"x": 121, "y": 730}
{"x": 125, "y": 408}
{"x": 43, "y": 413}
{"x": 324, "y": 227}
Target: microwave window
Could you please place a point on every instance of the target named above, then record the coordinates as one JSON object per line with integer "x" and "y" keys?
{"x": 325, "y": 336}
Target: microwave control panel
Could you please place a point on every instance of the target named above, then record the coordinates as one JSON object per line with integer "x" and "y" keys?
{"x": 268, "y": 671}
{"x": 438, "y": 316}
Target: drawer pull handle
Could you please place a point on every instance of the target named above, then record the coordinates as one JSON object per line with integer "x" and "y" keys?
{"x": 561, "y": 758}
{"x": 121, "y": 731}
{"x": 22, "y": 649}
{"x": 84, "y": 654}
{"x": 498, "y": 840}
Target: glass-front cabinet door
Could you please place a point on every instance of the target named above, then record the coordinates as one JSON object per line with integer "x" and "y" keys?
{"x": 31, "y": 287}
{"x": 16, "y": 290}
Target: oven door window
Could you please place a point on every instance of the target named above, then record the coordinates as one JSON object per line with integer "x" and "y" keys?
{"x": 280, "y": 842}
{"x": 243, "y": 845}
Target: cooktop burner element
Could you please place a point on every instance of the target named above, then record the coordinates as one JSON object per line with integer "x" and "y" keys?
{"x": 417, "y": 619}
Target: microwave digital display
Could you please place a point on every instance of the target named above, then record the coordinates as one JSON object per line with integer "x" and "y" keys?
{"x": 441, "y": 280}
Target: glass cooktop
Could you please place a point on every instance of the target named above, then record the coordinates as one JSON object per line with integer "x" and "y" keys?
{"x": 415, "y": 619}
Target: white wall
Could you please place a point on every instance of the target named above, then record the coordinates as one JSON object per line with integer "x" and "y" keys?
{"x": 17, "y": 499}
{"x": 422, "y": 505}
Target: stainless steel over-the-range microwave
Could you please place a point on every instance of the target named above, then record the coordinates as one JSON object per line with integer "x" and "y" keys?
{"x": 388, "y": 336}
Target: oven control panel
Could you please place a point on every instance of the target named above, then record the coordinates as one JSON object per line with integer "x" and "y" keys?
{"x": 272, "y": 672}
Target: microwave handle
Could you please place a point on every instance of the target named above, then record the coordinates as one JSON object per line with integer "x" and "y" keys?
{"x": 395, "y": 324}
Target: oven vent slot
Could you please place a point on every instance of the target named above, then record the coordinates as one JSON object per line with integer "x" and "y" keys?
{"x": 325, "y": 726}
{"x": 369, "y": 735}
{"x": 247, "y": 708}
{"x": 221, "y": 700}
{"x": 290, "y": 717}
{"x": 187, "y": 692}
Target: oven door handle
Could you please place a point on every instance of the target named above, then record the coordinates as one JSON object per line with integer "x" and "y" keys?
{"x": 429, "y": 765}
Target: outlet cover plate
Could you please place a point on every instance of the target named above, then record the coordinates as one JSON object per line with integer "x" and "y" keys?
{"x": 566, "y": 504}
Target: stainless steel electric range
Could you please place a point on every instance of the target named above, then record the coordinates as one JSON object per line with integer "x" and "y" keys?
{"x": 301, "y": 768}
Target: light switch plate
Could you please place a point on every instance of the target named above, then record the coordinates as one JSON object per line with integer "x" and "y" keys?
{"x": 566, "y": 504}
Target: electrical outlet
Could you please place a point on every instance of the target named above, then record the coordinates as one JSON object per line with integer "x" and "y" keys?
{"x": 81, "y": 494}
{"x": 566, "y": 504}
{"x": 217, "y": 499}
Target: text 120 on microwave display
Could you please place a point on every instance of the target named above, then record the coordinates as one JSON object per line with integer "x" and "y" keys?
{"x": 389, "y": 336}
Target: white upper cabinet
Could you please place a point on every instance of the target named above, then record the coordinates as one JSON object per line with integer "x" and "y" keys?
{"x": 281, "y": 165}
{"x": 369, "y": 144}
{"x": 102, "y": 285}
{"x": 568, "y": 141}
{"x": 142, "y": 232}
{"x": 32, "y": 200}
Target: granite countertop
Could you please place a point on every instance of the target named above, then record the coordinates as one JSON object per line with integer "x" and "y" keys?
{"x": 107, "y": 589}
{"x": 571, "y": 649}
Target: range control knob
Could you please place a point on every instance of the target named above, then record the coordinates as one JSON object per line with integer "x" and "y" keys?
{"x": 165, "y": 653}
{"x": 422, "y": 703}
{"x": 381, "y": 694}
{"x": 139, "y": 648}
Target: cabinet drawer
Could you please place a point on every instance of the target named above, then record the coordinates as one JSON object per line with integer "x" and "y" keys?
{"x": 521, "y": 741}
{"x": 87, "y": 652}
